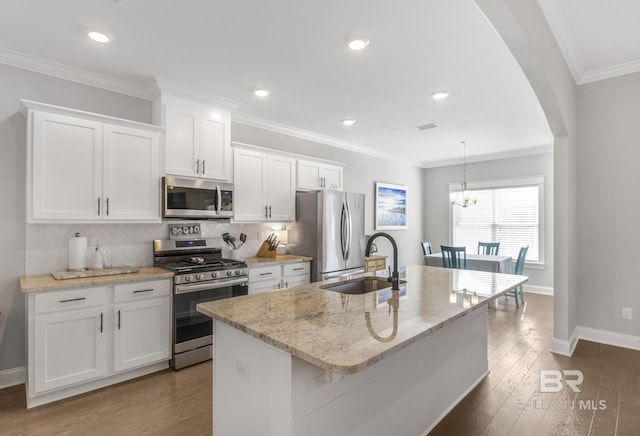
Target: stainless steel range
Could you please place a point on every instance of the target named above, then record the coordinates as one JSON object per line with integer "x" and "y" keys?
{"x": 201, "y": 275}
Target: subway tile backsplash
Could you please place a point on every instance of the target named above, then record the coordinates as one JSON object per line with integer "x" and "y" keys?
{"x": 130, "y": 244}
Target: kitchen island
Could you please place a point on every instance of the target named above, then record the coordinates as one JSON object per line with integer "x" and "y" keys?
{"x": 311, "y": 361}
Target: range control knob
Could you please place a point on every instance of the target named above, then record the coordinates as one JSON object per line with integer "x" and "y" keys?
{"x": 215, "y": 275}
{"x": 238, "y": 272}
{"x": 200, "y": 277}
{"x": 229, "y": 273}
{"x": 188, "y": 278}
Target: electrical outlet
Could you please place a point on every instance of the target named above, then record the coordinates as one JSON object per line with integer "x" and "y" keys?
{"x": 243, "y": 370}
{"x": 626, "y": 313}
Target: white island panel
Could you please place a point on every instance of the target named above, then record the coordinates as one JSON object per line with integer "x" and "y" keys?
{"x": 259, "y": 389}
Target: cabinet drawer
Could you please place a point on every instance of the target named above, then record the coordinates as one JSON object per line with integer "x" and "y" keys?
{"x": 140, "y": 290}
{"x": 290, "y": 282}
{"x": 294, "y": 269}
{"x": 264, "y": 286}
{"x": 269, "y": 272}
{"x": 381, "y": 263}
{"x": 72, "y": 299}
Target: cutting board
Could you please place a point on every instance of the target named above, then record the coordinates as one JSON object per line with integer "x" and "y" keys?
{"x": 65, "y": 275}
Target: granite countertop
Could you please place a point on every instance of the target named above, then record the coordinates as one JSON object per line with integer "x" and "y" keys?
{"x": 330, "y": 330}
{"x": 46, "y": 282}
{"x": 278, "y": 260}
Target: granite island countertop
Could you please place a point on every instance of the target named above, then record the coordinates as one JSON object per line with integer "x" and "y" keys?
{"x": 347, "y": 333}
{"x": 46, "y": 282}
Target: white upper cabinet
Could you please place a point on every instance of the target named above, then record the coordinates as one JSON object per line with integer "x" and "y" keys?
{"x": 197, "y": 139}
{"x": 131, "y": 175}
{"x": 314, "y": 176}
{"x": 83, "y": 167}
{"x": 264, "y": 186}
{"x": 66, "y": 167}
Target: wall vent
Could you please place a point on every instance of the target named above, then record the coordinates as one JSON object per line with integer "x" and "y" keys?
{"x": 427, "y": 126}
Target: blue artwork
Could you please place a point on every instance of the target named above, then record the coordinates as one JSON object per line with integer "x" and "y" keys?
{"x": 391, "y": 207}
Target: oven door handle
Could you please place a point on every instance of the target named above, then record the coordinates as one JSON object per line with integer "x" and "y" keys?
{"x": 184, "y": 289}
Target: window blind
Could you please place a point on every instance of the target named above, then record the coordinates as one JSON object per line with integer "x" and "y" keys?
{"x": 509, "y": 215}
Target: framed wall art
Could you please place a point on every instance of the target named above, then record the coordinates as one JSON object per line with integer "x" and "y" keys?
{"x": 391, "y": 206}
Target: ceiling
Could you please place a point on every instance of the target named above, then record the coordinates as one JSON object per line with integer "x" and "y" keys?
{"x": 296, "y": 49}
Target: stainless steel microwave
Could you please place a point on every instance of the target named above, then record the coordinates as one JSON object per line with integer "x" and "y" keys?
{"x": 188, "y": 198}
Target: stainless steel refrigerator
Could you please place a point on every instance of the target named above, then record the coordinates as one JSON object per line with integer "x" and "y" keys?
{"x": 330, "y": 228}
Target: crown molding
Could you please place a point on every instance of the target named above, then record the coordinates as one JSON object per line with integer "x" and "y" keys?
{"x": 163, "y": 86}
{"x": 66, "y": 72}
{"x": 552, "y": 11}
{"x": 553, "y": 14}
{"x": 284, "y": 129}
{"x": 530, "y": 151}
{"x": 610, "y": 72}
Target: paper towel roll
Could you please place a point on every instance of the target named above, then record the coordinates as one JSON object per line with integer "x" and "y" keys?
{"x": 77, "y": 253}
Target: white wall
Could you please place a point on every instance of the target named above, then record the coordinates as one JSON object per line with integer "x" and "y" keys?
{"x": 608, "y": 207}
{"x": 361, "y": 173}
{"x": 436, "y": 204}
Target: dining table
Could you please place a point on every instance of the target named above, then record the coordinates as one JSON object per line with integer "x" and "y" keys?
{"x": 478, "y": 262}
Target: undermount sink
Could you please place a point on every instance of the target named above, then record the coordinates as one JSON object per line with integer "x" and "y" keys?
{"x": 360, "y": 285}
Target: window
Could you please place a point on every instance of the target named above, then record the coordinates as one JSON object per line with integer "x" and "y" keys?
{"x": 507, "y": 212}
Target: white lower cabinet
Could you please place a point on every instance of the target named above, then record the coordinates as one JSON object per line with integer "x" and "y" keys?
{"x": 86, "y": 338}
{"x": 269, "y": 278}
{"x": 70, "y": 347}
{"x": 142, "y": 324}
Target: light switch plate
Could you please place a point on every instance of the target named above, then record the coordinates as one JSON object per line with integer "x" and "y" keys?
{"x": 627, "y": 313}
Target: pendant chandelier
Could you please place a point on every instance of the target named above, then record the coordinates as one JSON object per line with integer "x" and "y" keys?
{"x": 467, "y": 199}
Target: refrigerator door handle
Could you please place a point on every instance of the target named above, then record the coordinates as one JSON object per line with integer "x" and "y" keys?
{"x": 218, "y": 195}
{"x": 343, "y": 230}
{"x": 349, "y": 230}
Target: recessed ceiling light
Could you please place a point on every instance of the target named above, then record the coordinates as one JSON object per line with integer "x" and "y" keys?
{"x": 357, "y": 44}
{"x": 348, "y": 122}
{"x": 261, "y": 92}
{"x": 98, "y": 37}
{"x": 439, "y": 95}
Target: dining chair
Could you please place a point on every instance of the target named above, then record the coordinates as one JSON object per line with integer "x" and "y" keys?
{"x": 490, "y": 248}
{"x": 519, "y": 269}
{"x": 454, "y": 257}
{"x": 426, "y": 248}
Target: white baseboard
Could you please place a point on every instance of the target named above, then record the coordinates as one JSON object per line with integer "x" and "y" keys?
{"x": 606, "y": 337}
{"x": 610, "y": 338}
{"x": 12, "y": 377}
{"x": 545, "y": 290}
{"x": 566, "y": 348}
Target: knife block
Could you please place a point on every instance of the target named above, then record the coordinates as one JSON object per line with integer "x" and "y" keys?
{"x": 265, "y": 251}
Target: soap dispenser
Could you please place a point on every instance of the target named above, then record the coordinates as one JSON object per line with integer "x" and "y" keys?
{"x": 97, "y": 264}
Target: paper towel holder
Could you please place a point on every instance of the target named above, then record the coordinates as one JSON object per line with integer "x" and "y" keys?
{"x": 77, "y": 253}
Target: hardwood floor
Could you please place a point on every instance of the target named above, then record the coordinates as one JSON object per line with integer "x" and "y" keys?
{"x": 164, "y": 403}
{"x": 507, "y": 402}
